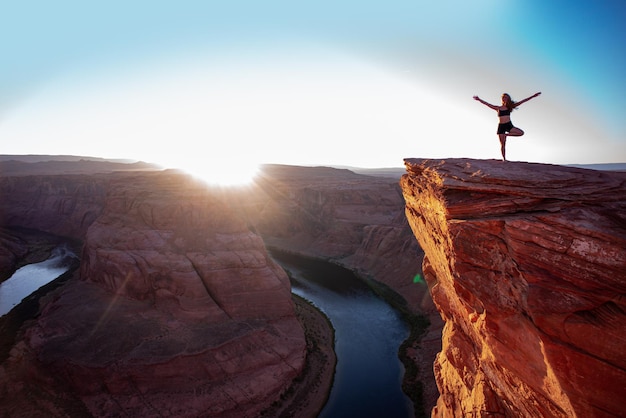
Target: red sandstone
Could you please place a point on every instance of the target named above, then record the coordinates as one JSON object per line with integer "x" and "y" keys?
{"x": 526, "y": 265}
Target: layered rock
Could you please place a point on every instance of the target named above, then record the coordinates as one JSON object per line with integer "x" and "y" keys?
{"x": 178, "y": 310}
{"x": 61, "y": 205}
{"x": 527, "y": 266}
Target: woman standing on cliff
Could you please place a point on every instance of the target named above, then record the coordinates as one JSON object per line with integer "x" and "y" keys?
{"x": 505, "y": 127}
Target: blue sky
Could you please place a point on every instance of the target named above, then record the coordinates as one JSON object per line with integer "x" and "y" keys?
{"x": 362, "y": 83}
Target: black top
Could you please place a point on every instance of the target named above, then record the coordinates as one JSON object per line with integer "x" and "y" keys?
{"x": 505, "y": 112}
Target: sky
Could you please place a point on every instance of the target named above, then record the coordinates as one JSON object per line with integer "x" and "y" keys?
{"x": 197, "y": 84}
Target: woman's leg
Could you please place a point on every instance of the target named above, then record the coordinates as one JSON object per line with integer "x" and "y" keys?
{"x": 503, "y": 145}
{"x": 516, "y": 132}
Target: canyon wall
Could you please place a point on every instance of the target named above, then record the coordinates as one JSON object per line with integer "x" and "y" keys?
{"x": 61, "y": 205}
{"x": 347, "y": 218}
{"x": 177, "y": 311}
{"x": 527, "y": 266}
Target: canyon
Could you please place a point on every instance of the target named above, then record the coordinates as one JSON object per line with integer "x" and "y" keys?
{"x": 527, "y": 265}
{"x": 178, "y": 308}
{"x": 176, "y": 301}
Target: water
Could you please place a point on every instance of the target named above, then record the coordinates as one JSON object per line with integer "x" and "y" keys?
{"x": 31, "y": 277}
{"x": 368, "y": 333}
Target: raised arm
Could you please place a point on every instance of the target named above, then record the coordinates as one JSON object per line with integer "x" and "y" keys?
{"x": 527, "y": 99}
{"x": 494, "y": 107}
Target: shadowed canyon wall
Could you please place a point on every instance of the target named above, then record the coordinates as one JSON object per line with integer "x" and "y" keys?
{"x": 177, "y": 311}
{"x": 527, "y": 266}
{"x": 351, "y": 219}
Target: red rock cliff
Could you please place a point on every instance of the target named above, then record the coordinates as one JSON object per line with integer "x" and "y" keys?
{"x": 527, "y": 265}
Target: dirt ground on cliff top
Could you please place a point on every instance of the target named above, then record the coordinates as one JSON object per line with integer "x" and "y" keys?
{"x": 309, "y": 391}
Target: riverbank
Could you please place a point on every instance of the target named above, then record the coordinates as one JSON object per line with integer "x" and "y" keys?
{"x": 309, "y": 392}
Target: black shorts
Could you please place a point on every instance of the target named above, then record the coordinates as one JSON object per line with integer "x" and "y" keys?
{"x": 505, "y": 127}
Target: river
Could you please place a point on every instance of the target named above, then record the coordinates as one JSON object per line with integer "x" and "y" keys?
{"x": 31, "y": 277}
{"x": 368, "y": 333}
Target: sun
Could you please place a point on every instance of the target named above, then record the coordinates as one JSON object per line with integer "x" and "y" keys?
{"x": 223, "y": 172}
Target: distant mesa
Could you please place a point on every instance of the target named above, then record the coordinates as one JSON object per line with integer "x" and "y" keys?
{"x": 17, "y": 165}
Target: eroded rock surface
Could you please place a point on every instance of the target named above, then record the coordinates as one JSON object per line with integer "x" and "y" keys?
{"x": 177, "y": 311}
{"x": 527, "y": 266}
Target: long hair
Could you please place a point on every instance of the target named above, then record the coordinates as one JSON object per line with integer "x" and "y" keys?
{"x": 510, "y": 104}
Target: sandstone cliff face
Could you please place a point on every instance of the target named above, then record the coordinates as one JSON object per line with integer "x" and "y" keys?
{"x": 527, "y": 266}
{"x": 178, "y": 310}
{"x": 61, "y": 205}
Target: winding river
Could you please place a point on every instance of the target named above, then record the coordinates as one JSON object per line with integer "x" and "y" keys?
{"x": 368, "y": 333}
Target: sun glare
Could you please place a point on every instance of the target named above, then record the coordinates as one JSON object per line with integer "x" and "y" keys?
{"x": 222, "y": 173}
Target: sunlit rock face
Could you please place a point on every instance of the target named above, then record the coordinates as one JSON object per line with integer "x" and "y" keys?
{"x": 177, "y": 310}
{"x": 527, "y": 266}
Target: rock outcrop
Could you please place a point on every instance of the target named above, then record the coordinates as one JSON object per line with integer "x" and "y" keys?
{"x": 527, "y": 265}
{"x": 177, "y": 311}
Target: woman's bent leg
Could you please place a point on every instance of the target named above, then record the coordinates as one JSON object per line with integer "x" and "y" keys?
{"x": 516, "y": 132}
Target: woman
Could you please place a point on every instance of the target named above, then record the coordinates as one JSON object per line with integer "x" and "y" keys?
{"x": 505, "y": 127}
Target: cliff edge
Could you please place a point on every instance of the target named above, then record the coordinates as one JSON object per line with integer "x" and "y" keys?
{"x": 526, "y": 264}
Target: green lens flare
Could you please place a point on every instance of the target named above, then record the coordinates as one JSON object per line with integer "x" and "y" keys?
{"x": 418, "y": 278}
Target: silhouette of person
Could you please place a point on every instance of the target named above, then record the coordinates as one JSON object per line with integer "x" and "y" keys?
{"x": 505, "y": 127}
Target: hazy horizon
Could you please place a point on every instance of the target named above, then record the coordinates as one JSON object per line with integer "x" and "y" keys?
{"x": 196, "y": 85}
{"x": 34, "y": 158}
